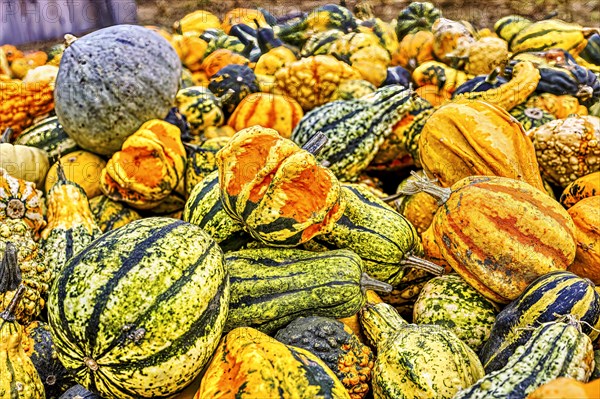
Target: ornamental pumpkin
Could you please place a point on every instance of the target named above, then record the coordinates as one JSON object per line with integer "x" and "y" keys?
{"x": 498, "y": 253}
{"x": 144, "y": 67}
{"x": 586, "y": 216}
{"x": 149, "y": 166}
{"x": 267, "y": 110}
{"x": 415, "y": 49}
{"x": 71, "y": 226}
{"x": 249, "y": 364}
{"x": 191, "y": 50}
{"x": 313, "y": 80}
{"x": 568, "y": 148}
{"x": 415, "y": 17}
{"x": 232, "y": 83}
{"x": 246, "y": 16}
{"x": 320, "y": 42}
{"x": 485, "y": 55}
{"x": 465, "y": 138}
{"x": 337, "y": 346}
{"x": 110, "y": 215}
{"x": 567, "y": 388}
{"x": 585, "y": 186}
{"x": 81, "y": 167}
{"x": 440, "y": 75}
{"x": 19, "y": 377}
{"x": 531, "y": 117}
{"x": 200, "y": 107}
{"x": 384, "y": 31}
{"x": 23, "y": 256}
{"x": 276, "y": 189}
{"x": 452, "y": 40}
{"x": 23, "y": 162}
{"x": 221, "y": 58}
{"x": 271, "y": 61}
{"x": 197, "y": 21}
{"x": 202, "y": 161}
{"x": 559, "y": 106}
{"x": 19, "y": 199}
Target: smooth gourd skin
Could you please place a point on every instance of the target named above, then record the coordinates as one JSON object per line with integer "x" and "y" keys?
{"x": 99, "y": 110}
{"x": 585, "y": 186}
{"x": 19, "y": 378}
{"x": 586, "y": 216}
{"x": 271, "y": 287}
{"x": 139, "y": 312}
{"x": 554, "y": 350}
{"x": 545, "y": 300}
{"x": 249, "y": 364}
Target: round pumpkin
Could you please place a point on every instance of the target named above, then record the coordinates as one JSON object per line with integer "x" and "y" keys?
{"x": 274, "y": 111}
{"x": 81, "y": 167}
{"x": 113, "y": 80}
{"x": 200, "y": 107}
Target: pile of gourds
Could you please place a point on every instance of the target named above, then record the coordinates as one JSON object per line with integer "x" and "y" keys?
{"x": 314, "y": 205}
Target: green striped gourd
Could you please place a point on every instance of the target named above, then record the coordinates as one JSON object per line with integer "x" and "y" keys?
{"x": 416, "y": 361}
{"x": 387, "y": 243}
{"x": 205, "y": 209}
{"x": 138, "y": 313}
{"x": 71, "y": 225}
{"x": 531, "y": 117}
{"x": 271, "y": 287}
{"x": 110, "y": 215}
{"x": 355, "y": 128}
{"x": 555, "y": 349}
{"x": 49, "y": 136}
{"x": 201, "y": 161}
{"x": 449, "y": 301}
{"x": 591, "y": 51}
{"x": 546, "y": 299}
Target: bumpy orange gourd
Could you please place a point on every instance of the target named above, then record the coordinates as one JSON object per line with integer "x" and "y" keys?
{"x": 586, "y": 216}
{"x": 221, "y": 58}
{"x": 267, "y": 110}
{"x": 149, "y": 166}
{"x": 471, "y": 137}
{"x": 279, "y": 191}
{"x": 500, "y": 234}
{"x": 312, "y": 81}
{"x": 559, "y": 106}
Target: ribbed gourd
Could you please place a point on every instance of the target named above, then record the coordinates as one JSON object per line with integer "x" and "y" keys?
{"x": 415, "y": 17}
{"x": 48, "y": 135}
{"x": 416, "y": 361}
{"x": 418, "y": 208}
{"x": 202, "y": 161}
{"x": 71, "y": 224}
{"x": 249, "y": 364}
{"x": 20, "y": 200}
{"x": 545, "y": 300}
{"x": 21, "y": 255}
{"x": 271, "y": 287}
{"x": 278, "y": 190}
{"x": 118, "y": 342}
{"x": 449, "y": 301}
{"x": 555, "y": 349}
{"x": 336, "y": 345}
{"x": 19, "y": 377}
{"x": 531, "y": 117}
{"x": 355, "y": 128}
{"x": 386, "y": 242}
{"x": 472, "y": 137}
{"x": 480, "y": 237}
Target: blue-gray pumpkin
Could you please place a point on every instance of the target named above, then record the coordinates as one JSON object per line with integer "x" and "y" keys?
{"x": 112, "y": 81}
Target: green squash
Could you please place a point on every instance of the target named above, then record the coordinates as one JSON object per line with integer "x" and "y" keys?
{"x": 231, "y": 84}
{"x": 113, "y": 80}
{"x": 417, "y": 16}
{"x": 110, "y": 215}
{"x": 200, "y": 107}
{"x": 49, "y": 136}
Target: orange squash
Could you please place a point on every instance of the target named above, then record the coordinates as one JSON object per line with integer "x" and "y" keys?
{"x": 221, "y": 58}
{"x": 472, "y": 137}
{"x": 586, "y": 216}
{"x": 415, "y": 49}
{"x": 267, "y": 110}
{"x": 567, "y": 388}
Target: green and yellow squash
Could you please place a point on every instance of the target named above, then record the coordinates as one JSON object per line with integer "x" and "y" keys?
{"x": 118, "y": 342}
{"x": 271, "y": 287}
{"x": 202, "y": 161}
{"x": 48, "y": 135}
{"x": 110, "y": 215}
{"x": 249, "y": 364}
{"x": 556, "y": 349}
{"x": 545, "y": 300}
{"x": 531, "y": 117}
{"x": 416, "y": 361}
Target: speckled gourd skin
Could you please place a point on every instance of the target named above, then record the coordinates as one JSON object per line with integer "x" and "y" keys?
{"x": 554, "y": 350}
{"x": 110, "y": 215}
{"x": 140, "y": 311}
{"x": 449, "y": 301}
{"x": 100, "y": 109}
{"x": 20, "y": 379}
{"x": 249, "y": 364}
{"x": 500, "y": 234}
{"x": 202, "y": 161}
{"x": 71, "y": 225}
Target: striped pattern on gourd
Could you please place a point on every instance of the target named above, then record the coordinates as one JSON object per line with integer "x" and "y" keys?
{"x": 109, "y": 214}
{"x": 139, "y": 312}
{"x": 355, "y": 128}
{"x": 49, "y": 136}
{"x": 272, "y": 287}
{"x": 205, "y": 209}
{"x": 546, "y": 299}
{"x": 554, "y": 350}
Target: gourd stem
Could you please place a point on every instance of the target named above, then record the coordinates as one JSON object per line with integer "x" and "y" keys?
{"x": 6, "y": 136}
{"x": 70, "y": 39}
{"x": 424, "y": 184}
{"x": 587, "y": 32}
{"x": 10, "y": 273}
{"x": 393, "y": 197}
{"x": 419, "y": 263}
{"x": 316, "y": 143}
{"x": 369, "y": 283}
{"x": 492, "y": 78}
{"x": 8, "y": 314}
{"x": 60, "y": 172}
{"x": 584, "y": 93}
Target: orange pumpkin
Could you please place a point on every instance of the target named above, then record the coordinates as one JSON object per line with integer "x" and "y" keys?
{"x": 221, "y": 58}
{"x": 567, "y": 388}
{"x": 274, "y": 111}
{"x": 586, "y": 216}
{"x": 415, "y": 49}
